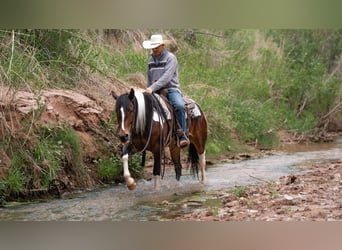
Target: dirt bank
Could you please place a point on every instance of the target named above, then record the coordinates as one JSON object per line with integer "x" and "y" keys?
{"x": 86, "y": 109}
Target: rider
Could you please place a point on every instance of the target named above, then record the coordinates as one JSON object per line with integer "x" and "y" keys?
{"x": 162, "y": 73}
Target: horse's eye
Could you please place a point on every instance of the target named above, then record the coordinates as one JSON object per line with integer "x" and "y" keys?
{"x": 130, "y": 108}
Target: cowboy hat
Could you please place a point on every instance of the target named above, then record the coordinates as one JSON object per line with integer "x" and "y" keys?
{"x": 154, "y": 42}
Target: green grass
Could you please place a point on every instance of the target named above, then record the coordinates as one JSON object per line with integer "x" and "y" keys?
{"x": 240, "y": 191}
{"x": 14, "y": 182}
{"x": 110, "y": 168}
{"x": 36, "y": 165}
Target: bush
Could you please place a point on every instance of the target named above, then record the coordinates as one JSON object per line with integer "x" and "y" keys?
{"x": 110, "y": 168}
{"x": 255, "y": 121}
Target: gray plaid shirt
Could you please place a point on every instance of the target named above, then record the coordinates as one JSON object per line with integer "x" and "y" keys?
{"x": 163, "y": 73}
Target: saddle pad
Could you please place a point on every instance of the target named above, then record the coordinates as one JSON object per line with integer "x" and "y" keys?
{"x": 192, "y": 108}
{"x": 163, "y": 104}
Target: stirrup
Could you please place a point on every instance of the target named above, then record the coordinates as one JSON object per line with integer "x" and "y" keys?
{"x": 183, "y": 141}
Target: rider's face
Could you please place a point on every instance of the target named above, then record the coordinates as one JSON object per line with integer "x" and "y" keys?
{"x": 158, "y": 50}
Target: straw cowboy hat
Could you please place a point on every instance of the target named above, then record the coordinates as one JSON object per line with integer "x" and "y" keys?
{"x": 154, "y": 42}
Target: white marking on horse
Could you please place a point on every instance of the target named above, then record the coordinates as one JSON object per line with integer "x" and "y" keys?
{"x": 130, "y": 182}
{"x": 202, "y": 165}
{"x": 127, "y": 174}
{"x": 156, "y": 182}
{"x": 123, "y": 119}
{"x": 158, "y": 118}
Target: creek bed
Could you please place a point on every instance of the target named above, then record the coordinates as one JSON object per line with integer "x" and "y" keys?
{"x": 117, "y": 203}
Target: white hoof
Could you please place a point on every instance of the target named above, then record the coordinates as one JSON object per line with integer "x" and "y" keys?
{"x": 130, "y": 183}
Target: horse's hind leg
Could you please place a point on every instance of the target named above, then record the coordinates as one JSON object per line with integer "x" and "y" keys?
{"x": 200, "y": 151}
{"x": 198, "y": 137}
{"x": 201, "y": 162}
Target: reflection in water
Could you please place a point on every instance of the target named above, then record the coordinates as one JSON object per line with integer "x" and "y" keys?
{"x": 175, "y": 198}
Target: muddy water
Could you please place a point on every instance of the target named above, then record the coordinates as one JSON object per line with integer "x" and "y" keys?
{"x": 175, "y": 198}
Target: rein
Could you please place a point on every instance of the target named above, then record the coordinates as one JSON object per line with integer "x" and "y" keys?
{"x": 148, "y": 139}
{"x": 161, "y": 114}
{"x": 149, "y": 135}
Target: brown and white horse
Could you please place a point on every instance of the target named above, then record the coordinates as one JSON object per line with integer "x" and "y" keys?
{"x": 145, "y": 125}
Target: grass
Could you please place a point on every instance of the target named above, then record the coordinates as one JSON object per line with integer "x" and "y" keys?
{"x": 34, "y": 166}
{"x": 110, "y": 168}
{"x": 240, "y": 191}
{"x": 14, "y": 183}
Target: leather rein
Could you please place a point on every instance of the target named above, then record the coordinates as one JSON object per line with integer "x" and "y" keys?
{"x": 162, "y": 116}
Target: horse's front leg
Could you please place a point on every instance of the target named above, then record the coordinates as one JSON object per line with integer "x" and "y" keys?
{"x": 130, "y": 182}
{"x": 156, "y": 170}
{"x": 175, "y": 156}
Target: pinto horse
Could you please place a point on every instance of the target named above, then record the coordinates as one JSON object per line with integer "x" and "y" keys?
{"x": 146, "y": 122}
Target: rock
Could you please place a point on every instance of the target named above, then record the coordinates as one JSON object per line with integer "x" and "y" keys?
{"x": 313, "y": 195}
{"x": 228, "y": 198}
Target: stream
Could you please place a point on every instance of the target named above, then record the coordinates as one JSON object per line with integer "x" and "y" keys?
{"x": 117, "y": 203}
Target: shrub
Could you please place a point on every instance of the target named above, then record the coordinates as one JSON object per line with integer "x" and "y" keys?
{"x": 110, "y": 168}
{"x": 254, "y": 121}
{"x": 14, "y": 182}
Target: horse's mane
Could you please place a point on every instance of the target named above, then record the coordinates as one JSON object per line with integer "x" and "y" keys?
{"x": 140, "y": 121}
{"x": 145, "y": 104}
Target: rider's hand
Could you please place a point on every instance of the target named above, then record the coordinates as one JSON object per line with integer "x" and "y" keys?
{"x": 149, "y": 90}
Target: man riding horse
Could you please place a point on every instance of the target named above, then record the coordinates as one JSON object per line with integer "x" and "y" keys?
{"x": 162, "y": 75}
{"x": 143, "y": 123}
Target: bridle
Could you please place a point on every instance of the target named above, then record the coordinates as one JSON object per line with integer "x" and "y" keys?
{"x": 133, "y": 128}
{"x": 161, "y": 116}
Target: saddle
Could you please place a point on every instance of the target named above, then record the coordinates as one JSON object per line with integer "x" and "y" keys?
{"x": 191, "y": 109}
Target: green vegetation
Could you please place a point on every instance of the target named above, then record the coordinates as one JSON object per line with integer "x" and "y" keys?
{"x": 109, "y": 168}
{"x": 250, "y": 83}
{"x": 13, "y": 184}
{"x": 239, "y": 191}
{"x": 35, "y": 166}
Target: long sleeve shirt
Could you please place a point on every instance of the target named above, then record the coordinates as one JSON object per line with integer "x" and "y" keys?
{"x": 163, "y": 73}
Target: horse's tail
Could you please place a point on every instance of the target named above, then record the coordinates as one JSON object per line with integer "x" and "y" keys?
{"x": 193, "y": 158}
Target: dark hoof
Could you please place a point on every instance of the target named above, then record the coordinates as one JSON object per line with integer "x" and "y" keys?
{"x": 178, "y": 171}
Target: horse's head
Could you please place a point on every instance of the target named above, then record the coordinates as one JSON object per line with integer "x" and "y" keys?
{"x": 130, "y": 111}
{"x": 125, "y": 114}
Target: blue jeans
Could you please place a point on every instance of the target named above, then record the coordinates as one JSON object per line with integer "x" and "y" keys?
{"x": 177, "y": 102}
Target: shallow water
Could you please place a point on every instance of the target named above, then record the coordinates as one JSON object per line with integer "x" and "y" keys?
{"x": 117, "y": 203}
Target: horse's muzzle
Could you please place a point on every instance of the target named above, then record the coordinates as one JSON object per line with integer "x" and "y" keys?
{"x": 124, "y": 138}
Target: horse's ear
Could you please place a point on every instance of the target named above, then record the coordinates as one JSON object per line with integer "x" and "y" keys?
{"x": 131, "y": 94}
{"x": 115, "y": 96}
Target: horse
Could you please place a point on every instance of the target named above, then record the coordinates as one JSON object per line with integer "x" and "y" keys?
{"x": 146, "y": 122}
